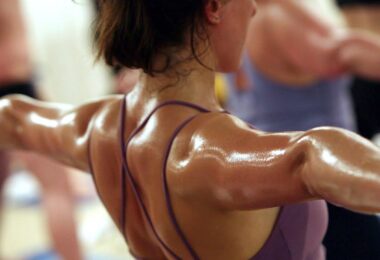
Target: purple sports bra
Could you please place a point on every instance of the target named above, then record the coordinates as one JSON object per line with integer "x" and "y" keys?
{"x": 297, "y": 234}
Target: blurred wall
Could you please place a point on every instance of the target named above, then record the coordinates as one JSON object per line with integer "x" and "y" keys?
{"x": 63, "y": 50}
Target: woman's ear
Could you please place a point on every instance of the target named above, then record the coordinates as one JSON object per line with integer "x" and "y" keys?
{"x": 213, "y": 11}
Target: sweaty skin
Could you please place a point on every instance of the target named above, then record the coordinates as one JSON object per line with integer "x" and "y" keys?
{"x": 234, "y": 177}
{"x": 225, "y": 179}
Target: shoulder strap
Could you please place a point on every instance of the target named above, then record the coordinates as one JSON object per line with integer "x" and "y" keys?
{"x": 168, "y": 199}
{"x": 89, "y": 149}
{"x": 89, "y": 157}
{"x": 123, "y": 183}
{"x": 127, "y": 175}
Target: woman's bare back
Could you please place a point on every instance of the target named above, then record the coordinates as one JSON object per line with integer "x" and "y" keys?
{"x": 238, "y": 234}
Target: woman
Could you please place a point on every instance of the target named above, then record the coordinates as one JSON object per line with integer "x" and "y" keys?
{"x": 176, "y": 187}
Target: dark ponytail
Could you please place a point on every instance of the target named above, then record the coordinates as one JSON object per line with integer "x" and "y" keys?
{"x": 132, "y": 33}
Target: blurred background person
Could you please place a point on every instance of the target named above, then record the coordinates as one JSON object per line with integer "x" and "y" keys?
{"x": 16, "y": 77}
{"x": 295, "y": 77}
{"x": 364, "y": 15}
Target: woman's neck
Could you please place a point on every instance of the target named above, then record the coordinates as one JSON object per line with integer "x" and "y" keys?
{"x": 188, "y": 81}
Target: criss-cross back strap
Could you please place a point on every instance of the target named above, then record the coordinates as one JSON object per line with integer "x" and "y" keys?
{"x": 127, "y": 175}
{"x": 169, "y": 203}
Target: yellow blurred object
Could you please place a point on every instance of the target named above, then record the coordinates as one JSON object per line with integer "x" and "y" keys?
{"x": 221, "y": 91}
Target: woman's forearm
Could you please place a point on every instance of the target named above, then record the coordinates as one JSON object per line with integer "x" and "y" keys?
{"x": 342, "y": 168}
{"x": 24, "y": 121}
{"x": 59, "y": 131}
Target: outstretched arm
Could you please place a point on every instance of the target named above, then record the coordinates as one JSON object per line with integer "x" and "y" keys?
{"x": 59, "y": 131}
{"x": 238, "y": 168}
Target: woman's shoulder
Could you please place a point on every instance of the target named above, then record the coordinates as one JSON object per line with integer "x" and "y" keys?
{"x": 107, "y": 112}
{"x": 200, "y": 147}
{"x": 217, "y": 128}
{"x": 210, "y": 127}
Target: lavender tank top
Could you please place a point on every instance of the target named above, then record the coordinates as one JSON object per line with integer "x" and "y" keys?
{"x": 272, "y": 106}
{"x": 298, "y": 231}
